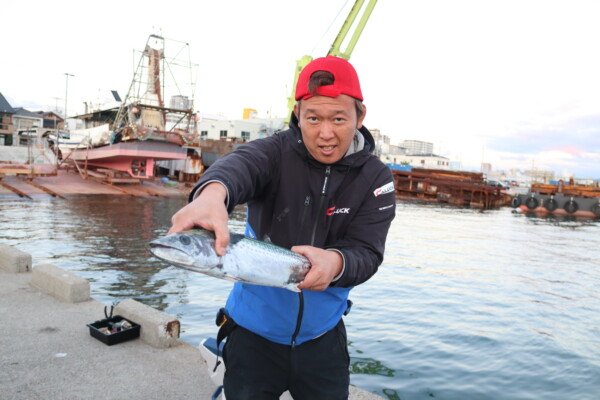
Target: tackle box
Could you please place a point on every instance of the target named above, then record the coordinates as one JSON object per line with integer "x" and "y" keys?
{"x": 122, "y": 330}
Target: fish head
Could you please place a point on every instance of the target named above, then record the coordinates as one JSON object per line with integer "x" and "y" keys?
{"x": 186, "y": 249}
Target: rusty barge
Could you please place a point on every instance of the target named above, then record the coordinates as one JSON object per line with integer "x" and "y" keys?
{"x": 459, "y": 188}
{"x": 560, "y": 199}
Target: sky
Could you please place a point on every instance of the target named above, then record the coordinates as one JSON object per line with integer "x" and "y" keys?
{"x": 513, "y": 83}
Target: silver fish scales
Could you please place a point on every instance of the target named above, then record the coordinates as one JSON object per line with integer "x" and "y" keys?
{"x": 246, "y": 260}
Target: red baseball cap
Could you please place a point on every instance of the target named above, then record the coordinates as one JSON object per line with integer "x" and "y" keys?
{"x": 345, "y": 79}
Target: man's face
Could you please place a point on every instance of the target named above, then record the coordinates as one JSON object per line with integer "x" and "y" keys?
{"x": 328, "y": 125}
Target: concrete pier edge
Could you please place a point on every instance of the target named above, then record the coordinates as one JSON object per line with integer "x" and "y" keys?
{"x": 72, "y": 306}
{"x": 59, "y": 283}
{"x": 159, "y": 329}
{"x": 14, "y": 260}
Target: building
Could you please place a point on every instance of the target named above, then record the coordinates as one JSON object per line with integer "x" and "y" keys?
{"x": 417, "y": 147}
{"x": 219, "y": 128}
{"x": 23, "y": 136}
{"x": 180, "y": 102}
{"x": 175, "y": 120}
{"x": 250, "y": 113}
{"x": 539, "y": 175}
{"x": 392, "y": 154}
{"x": 455, "y": 165}
{"x": 27, "y": 125}
{"x": 382, "y": 144}
{"x": 52, "y": 120}
{"x": 414, "y": 153}
{"x": 6, "y": 122}
{"x": 429, "y": 161}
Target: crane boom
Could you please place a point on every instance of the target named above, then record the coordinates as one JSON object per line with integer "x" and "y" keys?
{"x": 335, "y": 49}
{"x": 337, "y": 43}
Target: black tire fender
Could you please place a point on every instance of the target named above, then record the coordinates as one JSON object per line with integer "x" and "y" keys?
{"x": 516, "y": 202}
{"x": 596, "y": 209}
{"x": 551, "y": 204}
{"x": 532, "y": 203}
{"x": 571, "y": 206}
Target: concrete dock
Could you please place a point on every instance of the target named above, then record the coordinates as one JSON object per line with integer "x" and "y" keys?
{"x": 68, "y": 183}
{"x": 47, "y": 351}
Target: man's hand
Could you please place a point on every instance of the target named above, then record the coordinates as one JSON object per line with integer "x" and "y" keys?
{"x": 207, "y": 211}
{"x": 326, "y": 265}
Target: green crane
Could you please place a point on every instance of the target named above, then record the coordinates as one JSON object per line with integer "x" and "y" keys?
{"x": 335, "y": 49}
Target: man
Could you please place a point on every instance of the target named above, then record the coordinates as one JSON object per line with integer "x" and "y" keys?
{"x": 316, "y": 189}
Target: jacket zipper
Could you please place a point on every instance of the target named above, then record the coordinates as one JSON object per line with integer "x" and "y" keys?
{"x": 312, "y": 242}
{"x": 321, "y": 201}
{"x": 307, "y": 202}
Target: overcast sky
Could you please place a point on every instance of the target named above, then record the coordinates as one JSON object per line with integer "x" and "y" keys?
{"x": 512, "y": 83}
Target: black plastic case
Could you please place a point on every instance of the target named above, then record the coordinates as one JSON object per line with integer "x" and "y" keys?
{"x": 117, "y": 337}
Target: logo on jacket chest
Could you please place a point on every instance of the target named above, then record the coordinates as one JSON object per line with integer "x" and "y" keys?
{"x": 335, "y": 210}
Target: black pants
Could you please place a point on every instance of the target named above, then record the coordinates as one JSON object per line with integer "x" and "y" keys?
{"x": 257, "y": 368}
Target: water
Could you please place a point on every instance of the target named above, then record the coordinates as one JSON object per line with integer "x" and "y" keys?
{"x": 467, "y": 305}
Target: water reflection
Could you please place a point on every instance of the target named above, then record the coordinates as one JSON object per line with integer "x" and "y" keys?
{"x": 391, "y": 394}
{"x": 467, "y": 305}
{"x": 369, "y": 366}
{"x": 103, "y": 238}
{"x": 566, "y": 221}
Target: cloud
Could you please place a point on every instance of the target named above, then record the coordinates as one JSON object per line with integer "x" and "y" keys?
{"x": 572, "y": 150}
{"x": 565, "y": 138}
{"x": 574, "y": 135}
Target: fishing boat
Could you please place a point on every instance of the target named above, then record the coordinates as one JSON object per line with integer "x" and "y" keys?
{"x": 143, "y": 129}
{"x": 560, "y": 199}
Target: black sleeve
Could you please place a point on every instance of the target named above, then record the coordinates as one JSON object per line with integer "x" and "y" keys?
{"x": 363, "y": 244}
{"x": 245, "y": 171}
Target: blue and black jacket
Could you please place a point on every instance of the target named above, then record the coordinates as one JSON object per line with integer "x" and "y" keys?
{"x": 294, "y": 200}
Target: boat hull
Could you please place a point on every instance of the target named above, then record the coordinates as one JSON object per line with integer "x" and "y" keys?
{"x": 134, "y": 157}
{"x": 557, "y": 203}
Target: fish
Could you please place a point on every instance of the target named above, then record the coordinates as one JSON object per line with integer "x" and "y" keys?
{"x": 246, "y": 260}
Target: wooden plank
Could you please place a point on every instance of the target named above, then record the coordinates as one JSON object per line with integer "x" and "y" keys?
{"x": 123, "y": 180}
{"x": 96, "y": 174}
{"x": 14, "y": 189}
{"x": 81, "y": 173}
{"x": 17, "y": 171}
{"x": 45, "y": 189}
{"x": 107, "y": 172}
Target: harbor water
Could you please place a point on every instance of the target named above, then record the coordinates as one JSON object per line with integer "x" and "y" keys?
{"x": 467, "y": 305}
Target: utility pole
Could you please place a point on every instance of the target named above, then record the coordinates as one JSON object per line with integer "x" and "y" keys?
{"x": 67, "y": 75}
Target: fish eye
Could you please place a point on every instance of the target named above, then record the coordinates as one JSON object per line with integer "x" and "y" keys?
{"x": 185, "y": 240}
